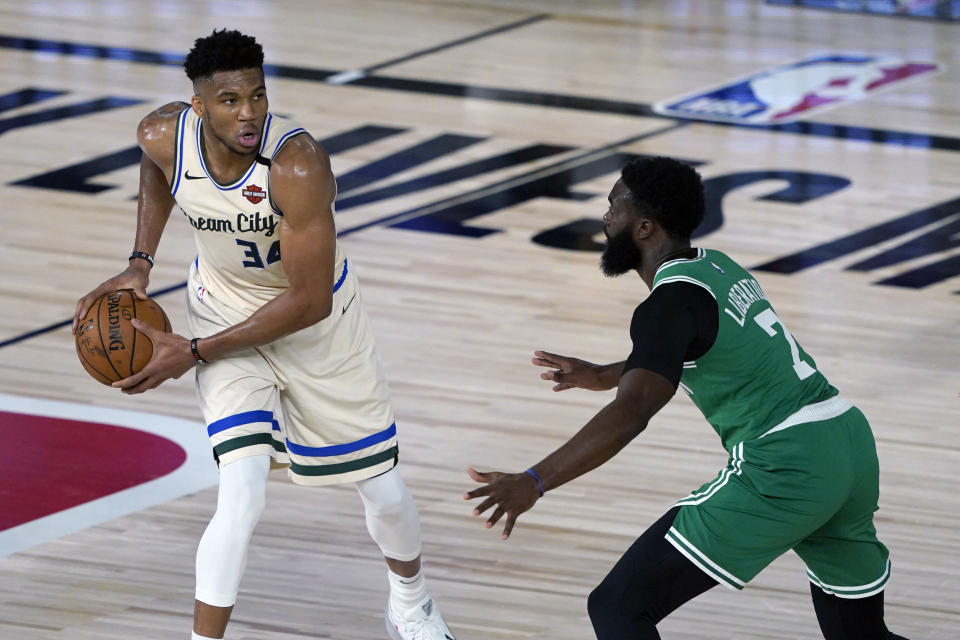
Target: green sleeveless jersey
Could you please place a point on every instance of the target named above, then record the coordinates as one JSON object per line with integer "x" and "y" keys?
{"x": 755, "y": 375}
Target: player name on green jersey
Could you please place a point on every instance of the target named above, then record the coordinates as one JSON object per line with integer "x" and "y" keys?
{"x": 743, "y": 294}
{"x": 756, "y": 375}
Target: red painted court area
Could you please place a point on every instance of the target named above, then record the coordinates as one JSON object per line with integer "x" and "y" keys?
{"x": 51, "y": 464}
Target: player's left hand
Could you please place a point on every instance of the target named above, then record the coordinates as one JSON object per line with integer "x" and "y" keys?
{"x": 171, "y": 359}
{"x": 512, "y": 493}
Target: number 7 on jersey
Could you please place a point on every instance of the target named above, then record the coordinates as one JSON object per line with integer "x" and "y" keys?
{"x": 766, "y": 319}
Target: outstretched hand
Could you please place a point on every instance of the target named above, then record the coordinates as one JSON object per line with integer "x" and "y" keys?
{"x": 512, "y": 493}
{"x": 171, "y": 359}
{"x": 570, "y": 372}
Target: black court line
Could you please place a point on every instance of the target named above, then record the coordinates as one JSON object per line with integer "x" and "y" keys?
{"x": 522, "y": 156}
{"x": 519, "y": 179}
{"x": 98, "y": 105}
{"x": 26, "y": 96}
{"x": 514, "y": 96}
{"x": 457, "y": 43}
{"x": 422, "y": 153}
{"x": 91, "y": 50}
{"x": 398, "y": 216}
{"x": 67, "y": 323}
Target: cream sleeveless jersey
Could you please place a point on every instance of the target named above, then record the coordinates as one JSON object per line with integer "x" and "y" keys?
{"x": 235, "y": 225}
{"x": 755, "y": 375}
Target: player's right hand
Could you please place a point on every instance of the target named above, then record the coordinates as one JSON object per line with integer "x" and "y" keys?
{"x": 134, "y": 277}
{"x": 511, "y": 493}
{"x": 570, "y": 372}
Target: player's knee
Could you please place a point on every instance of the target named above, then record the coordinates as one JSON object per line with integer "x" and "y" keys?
{"x": 595, "y": 605}
{"x": 243, "y": 494}
{"x": 602, "y": 604}
{"x": 614, "y": 603}
{"x": 391, "y": 514}
{"x": 386, "y": 496}
{"x": 246, "y": 509}
{"x": 387, "y": 505}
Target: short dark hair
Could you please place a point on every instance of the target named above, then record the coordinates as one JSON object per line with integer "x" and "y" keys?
{"x": 222, "y": 51}
{"x": 667, "y": 190}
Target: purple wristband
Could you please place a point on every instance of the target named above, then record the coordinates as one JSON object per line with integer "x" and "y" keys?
{"x": 533, "y": 474}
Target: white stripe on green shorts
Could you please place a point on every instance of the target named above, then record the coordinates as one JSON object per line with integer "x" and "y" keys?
{"x": 733, "y": 468}
{"x": 862, "y": 591}
{"x": 705, "y": 564}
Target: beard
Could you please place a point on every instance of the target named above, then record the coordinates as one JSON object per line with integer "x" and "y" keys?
{"x": 620, "y": 255}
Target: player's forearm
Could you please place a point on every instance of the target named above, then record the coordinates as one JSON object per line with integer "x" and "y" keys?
{"x": 610, "y": 373}
{"x": 151, "y": 221}
{"x": 153, "y": 207}
{"x": 289, "y": 312}
{"x": 604, "y": 436}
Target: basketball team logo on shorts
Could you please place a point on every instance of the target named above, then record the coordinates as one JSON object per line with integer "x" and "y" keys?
{"x": 795, "y": 90}
{"x": 254, "y": 194}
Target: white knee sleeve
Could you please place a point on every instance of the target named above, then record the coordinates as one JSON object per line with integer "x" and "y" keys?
{"x": 392, "y": 518}
{"x": 222, "y": 553}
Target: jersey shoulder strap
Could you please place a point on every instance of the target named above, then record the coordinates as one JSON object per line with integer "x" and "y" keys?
{"x": 277, "y": 132}
{"x": 690, "y": 270}
{"x": 186, "y": 130}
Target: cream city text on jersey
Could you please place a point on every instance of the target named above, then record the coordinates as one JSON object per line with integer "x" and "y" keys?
{"x": 244, "y": 223}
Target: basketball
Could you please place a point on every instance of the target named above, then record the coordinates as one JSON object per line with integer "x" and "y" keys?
{"x": 108, "y": 346}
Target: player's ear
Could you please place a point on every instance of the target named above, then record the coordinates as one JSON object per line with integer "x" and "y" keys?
{"x": 643, "y": 228}
{"x": 197, "y": 104}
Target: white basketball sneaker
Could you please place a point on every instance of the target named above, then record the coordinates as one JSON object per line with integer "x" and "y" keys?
{"x": 422, "y": 622}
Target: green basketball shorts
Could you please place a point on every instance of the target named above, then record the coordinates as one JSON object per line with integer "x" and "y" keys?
{"x": 812, "y": 488}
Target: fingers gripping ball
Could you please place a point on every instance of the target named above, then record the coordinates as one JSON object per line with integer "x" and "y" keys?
{"x": 108, "y": 346}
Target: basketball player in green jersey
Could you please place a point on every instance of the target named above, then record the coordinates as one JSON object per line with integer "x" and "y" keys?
{"x": 803, "y": 470}
{"x": 286, "y": 367}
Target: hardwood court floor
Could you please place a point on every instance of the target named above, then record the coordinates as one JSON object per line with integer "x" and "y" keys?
{"x": 466, "y": 165}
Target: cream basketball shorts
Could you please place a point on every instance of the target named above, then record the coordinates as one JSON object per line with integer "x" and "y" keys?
{"x": 316, "y": 399}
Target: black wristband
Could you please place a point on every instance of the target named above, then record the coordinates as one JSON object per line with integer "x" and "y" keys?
{"x": 143, "y": 255}
{"x": 195, "y": 353}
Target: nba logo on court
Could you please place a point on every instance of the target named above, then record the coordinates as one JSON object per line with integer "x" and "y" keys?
{"x": 795, "y": 90}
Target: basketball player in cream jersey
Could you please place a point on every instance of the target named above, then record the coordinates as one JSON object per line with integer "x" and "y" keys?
{"x": 286, "y": 367}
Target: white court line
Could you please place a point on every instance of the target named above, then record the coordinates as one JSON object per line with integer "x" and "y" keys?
{"x": 345, "y": 77}
{"x": 197, "y": 472}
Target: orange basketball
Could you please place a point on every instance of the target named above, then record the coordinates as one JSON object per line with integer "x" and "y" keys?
{"x": 109, "y": 348}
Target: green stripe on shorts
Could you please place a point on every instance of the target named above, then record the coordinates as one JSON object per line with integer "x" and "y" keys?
{"x": 343, "y": 467}
{"x": 245, "y": 441}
